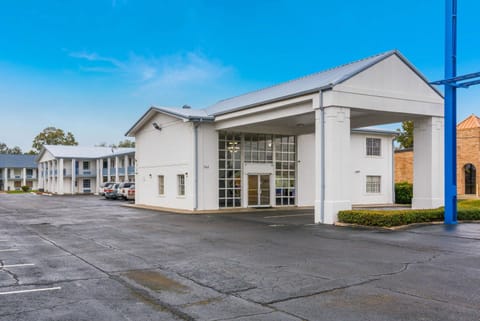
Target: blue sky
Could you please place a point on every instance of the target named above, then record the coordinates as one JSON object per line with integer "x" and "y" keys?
{"x": 94, "y": 67}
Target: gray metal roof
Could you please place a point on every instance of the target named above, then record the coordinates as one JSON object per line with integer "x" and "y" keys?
{"x": 186, "y": 113}
{"x": 307, "y": 84}
{"x": 17, "y": 161}
{"x": 61, "y": 151}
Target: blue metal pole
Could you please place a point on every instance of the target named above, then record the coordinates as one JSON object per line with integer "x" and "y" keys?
{"x": 451, "y": 113}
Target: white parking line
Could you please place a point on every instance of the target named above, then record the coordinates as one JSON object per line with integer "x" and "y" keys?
{"x": 16, "y": 265}
{"x": 33, "y": 290}
{"x": 9, "y": 250}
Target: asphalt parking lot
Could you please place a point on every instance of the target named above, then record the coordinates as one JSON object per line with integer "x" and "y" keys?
{"x": 85, "y": 258}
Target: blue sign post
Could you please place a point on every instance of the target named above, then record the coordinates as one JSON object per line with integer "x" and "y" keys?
{"x": 451, "y": 83}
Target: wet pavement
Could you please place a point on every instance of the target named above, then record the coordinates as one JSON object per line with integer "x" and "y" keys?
{"x": 86, "y": 258}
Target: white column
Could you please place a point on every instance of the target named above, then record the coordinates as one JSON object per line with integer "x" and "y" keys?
{"x": 5, "y": 179}
{"x": 99, "y": 176}
{"x": 49, "y": 169}
{"x": 125, "y": 165}
{"x": 117, "y": 178}
{"x": 109, "y": 179}
{"x": 60, "y": 178}
{"x": 24, "y": 176}
{"x": 74, "y": 175}
{"x": 332, "y": 163}
{"x": 428, "y": 163}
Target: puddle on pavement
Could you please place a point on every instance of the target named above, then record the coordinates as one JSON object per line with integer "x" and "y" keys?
{"x": 155, "y": 281}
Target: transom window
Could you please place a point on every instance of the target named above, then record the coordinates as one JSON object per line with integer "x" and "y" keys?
{"x": 374, "y": 146}
{"x": 181, "y": 185}
{"x": 373, "y": 184}
{"x": 258, "y": 148}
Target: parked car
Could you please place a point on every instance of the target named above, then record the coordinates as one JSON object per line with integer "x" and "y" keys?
{"x": 103, "y": 187}
{"x": 124, "y": 188}
{"x": 131, "y": 193}
{"x": 112, "y": 192}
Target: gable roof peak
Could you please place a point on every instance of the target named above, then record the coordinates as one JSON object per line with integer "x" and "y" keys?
{"x": 470, "y": 122}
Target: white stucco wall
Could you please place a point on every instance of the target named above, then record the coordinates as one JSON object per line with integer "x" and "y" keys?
{"x": 362, "y": 166}
{"x": 168, "y": 152}
{"x": 207, "y": 167}
{"x": 306, "y": 170}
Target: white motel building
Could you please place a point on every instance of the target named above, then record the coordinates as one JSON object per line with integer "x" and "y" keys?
{"x": 17, "y": 171}
{"x": 81, "y": 170}
{"x": 299, "y": 143}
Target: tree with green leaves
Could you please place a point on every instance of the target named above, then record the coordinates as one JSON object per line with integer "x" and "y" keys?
{"x": 4, "y": 149}
{"x": 405, "y": 136}
{"x": 53, "y": 136}
{"x": 122, "y": 144}
{"x": 126, "y": 143}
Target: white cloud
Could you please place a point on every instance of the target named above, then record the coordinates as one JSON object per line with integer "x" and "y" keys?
{"x": 187, "y": 71}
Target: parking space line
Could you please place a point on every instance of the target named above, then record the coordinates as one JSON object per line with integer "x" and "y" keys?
{"x": 16, "y": 265}
{"x": 9, "y": 250}
{"x": 290, "y": 215}
{"x": 32, "y": 290}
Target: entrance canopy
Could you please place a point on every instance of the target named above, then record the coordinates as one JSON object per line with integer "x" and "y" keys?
{"x": 385, "y": 88}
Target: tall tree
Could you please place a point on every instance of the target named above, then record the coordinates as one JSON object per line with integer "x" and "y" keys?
{"x": 4, "y": 149}
{"x": 405, "y": 136}
{"x": 126, "y": 143}
{"x": 53, "y": 136}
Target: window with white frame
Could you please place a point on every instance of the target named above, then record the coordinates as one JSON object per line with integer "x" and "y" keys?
{"x": 181, "y": 185}
{"x": 86, "y": 184}
{"x": 161, "y": 185}
{"x": 374, "y": 146}
{"x": 86, "y": 165}
{"x": 373, "y": 184}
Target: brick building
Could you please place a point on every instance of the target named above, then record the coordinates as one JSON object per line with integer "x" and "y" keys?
{"x": 468, "y": 158}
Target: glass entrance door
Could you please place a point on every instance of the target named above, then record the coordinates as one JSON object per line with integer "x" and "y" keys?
{"x": 258, "y": 190}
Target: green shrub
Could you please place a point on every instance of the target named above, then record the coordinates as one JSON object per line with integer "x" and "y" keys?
{"x": 403, "y": 217}
{"x": 403, "y": 193}
{"x": 25, "y": 188}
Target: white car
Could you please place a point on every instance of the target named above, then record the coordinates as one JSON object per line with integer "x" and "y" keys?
{"x": 124, "y": 188}
{"x": 103, "y": 187}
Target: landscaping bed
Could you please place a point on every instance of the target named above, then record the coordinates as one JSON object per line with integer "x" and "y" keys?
{"x": 468, "y": 210}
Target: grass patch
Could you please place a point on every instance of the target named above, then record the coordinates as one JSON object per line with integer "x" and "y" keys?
{"x": 19, "y": 192}
{"x": 468, "y": 210}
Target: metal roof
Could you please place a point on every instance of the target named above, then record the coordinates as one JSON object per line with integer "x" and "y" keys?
{"x": 17, "y": 161}
{"x": 307, "y": 84}
{"x": 61, "y": 151}
{"x": 297, "y": 87}
{"x": 470, "y": 122}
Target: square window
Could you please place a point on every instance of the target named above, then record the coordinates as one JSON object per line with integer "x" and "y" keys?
{"x": 373, "y": 184}
{"x": 373, "y": 146}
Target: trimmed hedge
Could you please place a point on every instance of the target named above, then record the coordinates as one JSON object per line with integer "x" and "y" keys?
{"x": 403, "y": 193}
{"x": 403, "y": 217}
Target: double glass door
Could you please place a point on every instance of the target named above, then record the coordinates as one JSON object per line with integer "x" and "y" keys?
{"x": 259, "y": 190}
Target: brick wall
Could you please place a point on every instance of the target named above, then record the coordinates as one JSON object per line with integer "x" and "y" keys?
{"x": 404, "y": 165}
{"x": 468, "y": 151}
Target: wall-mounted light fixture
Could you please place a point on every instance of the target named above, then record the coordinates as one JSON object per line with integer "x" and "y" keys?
{"x": 156, "y": 126}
